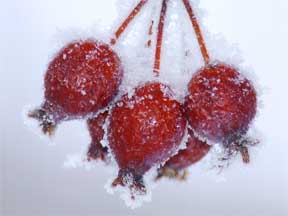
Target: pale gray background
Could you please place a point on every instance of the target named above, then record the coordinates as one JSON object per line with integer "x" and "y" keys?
{"x": 32, "y": 179}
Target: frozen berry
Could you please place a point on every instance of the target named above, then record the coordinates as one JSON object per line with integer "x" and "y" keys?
{"x": 95, "y": 126}
{"x": 145, "y": 129}
{"x": 220, "y": 105}
{"x": 195, "y": 150}
{"x": 82, "y": 78}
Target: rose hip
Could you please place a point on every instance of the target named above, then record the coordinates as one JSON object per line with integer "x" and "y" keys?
{"x": 82, "y": 78}
{"x": 195, "y": 150}
{"x": 220, "y": 105}
{"x": 221, "y": 102}
{"x": 144, "y": 130}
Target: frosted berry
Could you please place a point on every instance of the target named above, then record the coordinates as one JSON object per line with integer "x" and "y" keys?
{"x": 95, "y": 126}
{"x": 145, "y": 129}
{"x": 220, "y": 105}
{"x": 82, "y": 78}
{"x": 195, "y": 150}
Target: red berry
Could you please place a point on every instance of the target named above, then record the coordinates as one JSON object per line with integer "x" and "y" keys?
{"x": 82, "y": 78}
{"x": 95, "y": 126}
{"x": 195, "y": 150}
{"x": 221, "y": 104}
{"x": 145, "y": 129}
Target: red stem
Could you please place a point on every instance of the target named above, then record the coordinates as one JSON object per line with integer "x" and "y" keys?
{"x": 157, "y": 63}
{"x": 150, "y": 33}
{"x": 197, "y": 31}
{"x": 151, "y": 28}
{"x": 127, "y": 21}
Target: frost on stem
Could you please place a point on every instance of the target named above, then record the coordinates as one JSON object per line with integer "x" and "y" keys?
{"x": 197, "y": 30}
{"x": 157, "y": 63}
{"x": 132, "y": 179}
{"x": 128, "y": 20}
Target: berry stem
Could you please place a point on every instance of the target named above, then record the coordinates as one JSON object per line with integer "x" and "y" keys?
{"x": 157, "y": 63}
{"x": 151, "y": 28}
{"x": 128, "y": 20}
{"x": 198, "y": 32}
{"x": 150, "y": 33}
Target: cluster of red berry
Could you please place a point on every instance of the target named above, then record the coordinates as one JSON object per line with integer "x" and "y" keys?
{"x": 146, "y": 129}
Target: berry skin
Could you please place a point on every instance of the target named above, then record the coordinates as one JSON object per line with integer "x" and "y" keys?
{"x": 220, "y": 105}
{"x": 82, "y": 78}
{"x": 144, "y": 130}
{"x": 95, "y": 126}
{"x": 195, "y": 150}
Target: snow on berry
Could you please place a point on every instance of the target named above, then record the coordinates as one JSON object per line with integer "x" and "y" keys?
{"x": 145, "y": 126}
{"x": 82, "y": 78}
{"x": 144, "y": 130}
{"x": 221, "y": 105}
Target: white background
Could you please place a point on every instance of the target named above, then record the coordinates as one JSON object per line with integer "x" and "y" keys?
{"x": 32, "y": 178}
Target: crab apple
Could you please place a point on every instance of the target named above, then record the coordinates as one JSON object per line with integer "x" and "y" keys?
{"x": 220, "y": 105}
{"x": 81, "y": 79}
{"x": 95, "y": 126}
{"x": 195, "y": 150}
{"x": 145, "y": 129}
